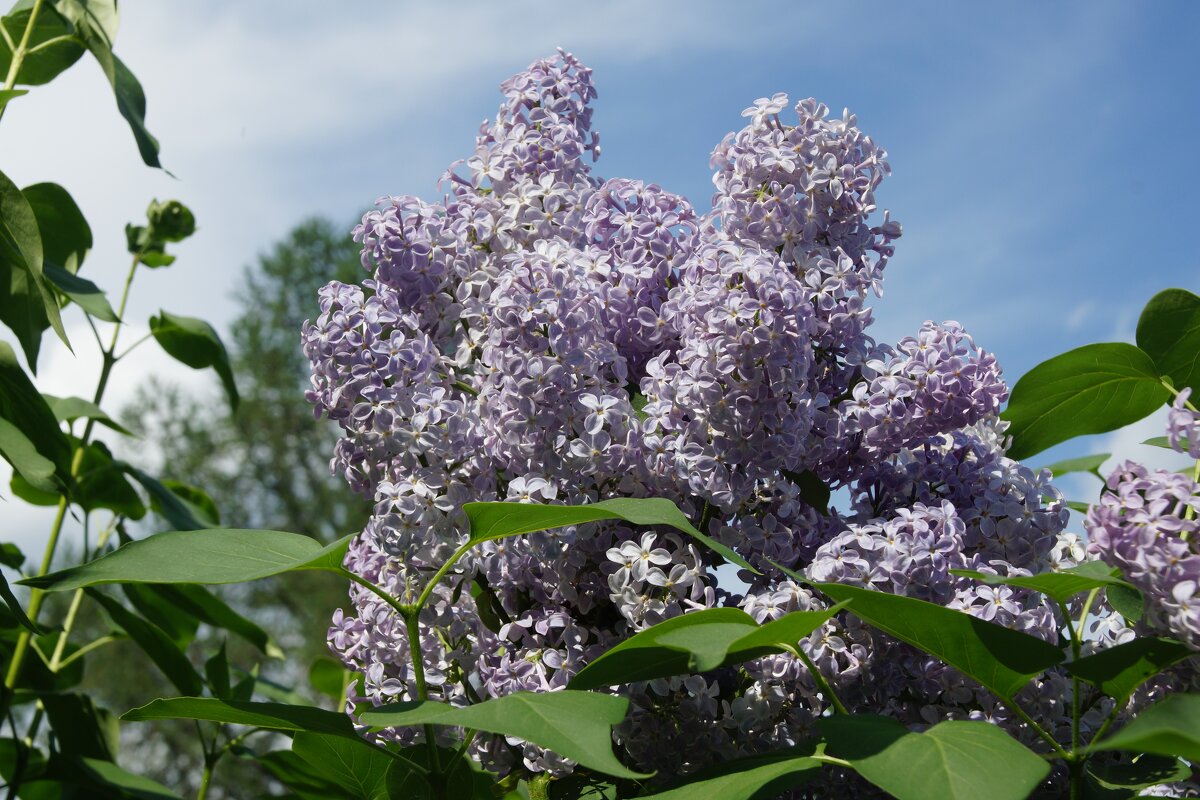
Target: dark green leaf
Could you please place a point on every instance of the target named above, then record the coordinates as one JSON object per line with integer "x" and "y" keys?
{"x": 170, "y": 221}
{"x": 8, "y": 95}
{"x": 275, "y": 716}
{"x": 1170, "y": 727}
{"x": 198, "y": 503}
{"x": 66, "y": 235}
{"x": 697, "y": 642}
{"x": 201, "y": 604}
{"x": 195, "y": 343}
{"x": 81, "y": 728}
{"x": 757, "y": 778}
{"x": 1118, "y": 670}
{"x": 358, "y": 769}
{"x": 1147, "y": 771}
{"x": 1090, "y": 464}
{"x": 156, "y": 644}
{"x": 101, "y": 483}
{"x": 35, "y": 469}
{"x": 1092, "y": 389}
{"x": 149, "y": 601}
{"x": 52, "y": 46}
{"x": 176, "y": 509}
{"x": 27, "y": 305}
{"x": 83, "y": 292}
{"x": 1126, "y": 601}
{"x": 14, "y": 605}
{"x": 813, "y": 491}
{"x": 957, "y": 759}
{"x": 1169, "y": 332}
{"x": 1000, "y": 658}
{"x": 69, "y": 409}
{"x": 576, "y": 725}
{"x": 1058, "y": 586}
{"x": 328, "y": 677}
{"x": 23, "y": 406}
{"x": 216, "y": 671}
{"x": 214, "y": 556}
{"x": 11, "y": 555}
{"x": 95, "y": 773}
{"x": 14, "y": 750}
{"x": 497, "y": 520}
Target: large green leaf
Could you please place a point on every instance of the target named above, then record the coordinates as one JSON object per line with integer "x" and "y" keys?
{"x": 1058, "y": 586}
{"x": 576, "y": 725}
{"x": 82, "y": 292}
{"x": 756, "y": 778}
{"x": 1092, "y": 389}
{"x": 99, "y": 778}
{"x": 1090, "y": 464}
{"x": 14, "y": 605}
{"x": 66, "y": 235}
{"x": 174, "y": 621}
{"x": 81, "y": 728}
{"x": 274, "y": 716}
{"x": 360, "y": 771}
{"x": 194, "y": 342}
{"x": 24, "y": 407}
{"x": 215, "y": 556}
{"x": 101, "y": 483}
{"x": 156, "y": 644}
{"x": 1000, "y": 658}
{"x": 955, "y": 760}
{"x": 1112, "y": 781}
{"x": 201, "y": 604}
{"x": 1118, "y": 670}
{"x": 180, "y": 512}
{"x": 52, "y": 47}
{"x": 697, "y": 642}
{"x": 499, "y": 519}
{"x": 1169, "y": 332}
{"x": 26, "y": 461}
{"x": 27, "y": 305}
{"x": 1167, "y": 728}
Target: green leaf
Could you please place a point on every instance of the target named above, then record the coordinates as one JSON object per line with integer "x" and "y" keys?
{"x": 1058, "y": 586}
{"x": 1170, "y": 727}
{"x": 66, "y": 235}
{"x": 69, "y": 409}
{"x": 83, "y": 292}
{"x": 195, "y": 343}
{"x": 1075, "y": 505}
{"x": 499, "y": 519}
{"x": 23, "y": 406}
{"x": 105, "y": 775}
{"x": 8, "y": 95}
{"x": 155, "y": 643}
{"x": 26, "y": 461}
{"x": 170, "y": 221}
{"x": 1092, "y": 389}
{"x": 52, "y": 46}
{"x": 27, "y": 305}
{"x": 359, "y": 770}
{"x": 1118, "y": 670}
{"x": 214, "y": 556}
{"x": 11, "y": 556}
{"x": 216, "y": 671}
{"x": 755, "y": 778}
{"x": 1000, "y": 658}
{"x": 101, "y": 483}
{"x": 1169, "y": 332}
{"x": 1126, "y": 601}
{"x": 1090, "y": 464}
{"x": 813, "y": 491}
{"x": 148, "y": 601}
{"x": 576, "y": 725}
{"x": 1147, "y": 771}
{"x": 81, "y": 728}
{"x": 275, "y": 716}
{"x": 697, "y": 642}
{"x": 196, "y": 500}
{"x": 952, "y": 760}
{"x": 328, "y": 677}
{"x": 14, "y": 605}
{"x": 202, "y": 605}
{"x": 177, "y": 510}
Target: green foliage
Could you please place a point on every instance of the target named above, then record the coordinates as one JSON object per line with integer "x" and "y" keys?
{"x": 194, "y": 342}
{"x": 754, "y": 778}
{"x": 1092, "y": 389}
{"x": 1169, "y": 332}
{"x": 1058, "y": 586}
{"x": 954, "y": 760}
{"x": 573, "y": 724}
{"x": 52, "y": 47}
{"x": 272, "y": 716}
{"x": 1089, "y": 464}
{"x": 1119, "y": 670}
{"x": 1170, "y": 727}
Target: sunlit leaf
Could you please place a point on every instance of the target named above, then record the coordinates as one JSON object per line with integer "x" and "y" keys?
{"x": 1169, "y": 332}
{"x": 1120, "y": 669}
{"x": 1058, "y": 586}
{"x": 1170, "y": 727}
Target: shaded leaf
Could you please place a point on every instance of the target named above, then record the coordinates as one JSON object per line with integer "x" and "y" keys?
{"x": 1058, "y": 586}
{"x": 104, "y": 774}
{"x": 148, "y": 601}
{"x": 176, "y": 509}
{"x": 1000, "y": 658}
{"x": 204, "y": 606}
{"x": 1120, "y": 669}
{"x": 359, "y": 770}
{"x": 1090, "y": 464}
{"x": 1169, "y": 332}
{"x": 1147, "y": 771}
{"x": 65, "y": 233}
{"x": 213, "y": 556}
{"x": 14, "y": 605}
{"x": 499, "y": 519}
{"x": 52, "y": 46}
{"x": 576, "y": 725}
{"x": 1092, "y": 389}
{"x": 69, "y": 409}
{"x": 156, "y": 644}
{"x": 82, "y": 292}
{"x": 194, "y": 342}
{"x": 1170, "y": 727}
{"x": 328, "y": 677}
{"x": 32, "y": 467}
{"x": 1126, "y": 601}
{"x": 956, "y": 759}
{"x": 275, "y": 716}
{"x": 81, "y": 728}
{"x": 23, "y": 406}
{"x": 101, "y": 483}
{"x": 758, "y": 778}
{"x": 26, "y": 304}
{"x": 216, "y": 671}
{"x": 813, "y": 491}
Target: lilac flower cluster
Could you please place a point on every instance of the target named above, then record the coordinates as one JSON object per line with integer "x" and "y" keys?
{"x": 1146, "y": 524}
{"x": 547, "y": 336}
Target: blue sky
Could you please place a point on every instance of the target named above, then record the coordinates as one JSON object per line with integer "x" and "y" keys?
{"x": 1043, "y": 153}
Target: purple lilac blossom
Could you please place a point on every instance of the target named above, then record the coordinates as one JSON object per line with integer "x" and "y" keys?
{"x": 543, "y": 335}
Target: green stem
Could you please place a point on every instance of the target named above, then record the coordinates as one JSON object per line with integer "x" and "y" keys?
{"x": 205, "y": 779}
{"x": 819, "y": 679}
{"x": 441, "y": 573}
{"x": 22, "y": 49}
{"x": 539, "y": 787}
{"x": 413, "y": 630}
{"x": 1038, "y": 729}
{"x": 1075, "y": 764}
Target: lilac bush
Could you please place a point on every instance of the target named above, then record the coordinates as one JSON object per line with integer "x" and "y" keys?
{"x": 546, "y": 335}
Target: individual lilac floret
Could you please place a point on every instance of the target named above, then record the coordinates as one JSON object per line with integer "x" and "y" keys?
{"x": 1146, "y": 524}
{"x": 1183, "y": 425}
